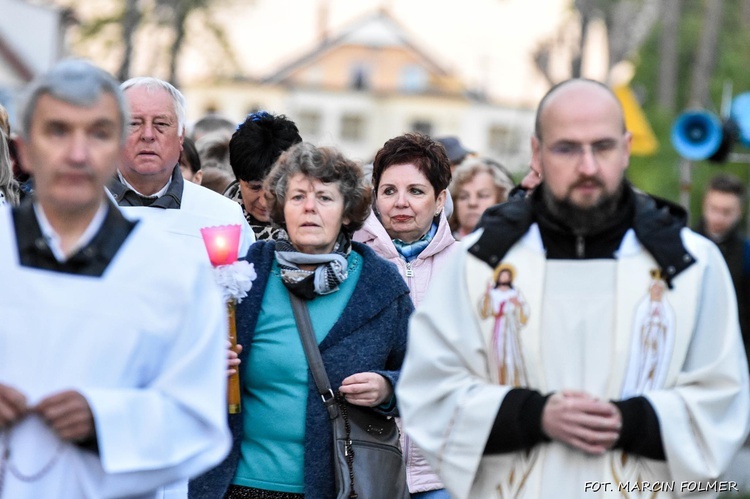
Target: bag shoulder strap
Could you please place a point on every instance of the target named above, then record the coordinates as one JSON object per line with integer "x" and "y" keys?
{"x": 312, "y": 353}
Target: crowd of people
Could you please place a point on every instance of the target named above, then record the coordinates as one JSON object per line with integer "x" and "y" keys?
{"x": 528, "y": 339}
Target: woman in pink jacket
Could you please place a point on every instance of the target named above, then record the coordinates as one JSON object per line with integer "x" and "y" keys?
{"x": 408, "y": 227}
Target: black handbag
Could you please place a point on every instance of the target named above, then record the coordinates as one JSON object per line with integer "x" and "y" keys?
{"x": 368, "y": 463}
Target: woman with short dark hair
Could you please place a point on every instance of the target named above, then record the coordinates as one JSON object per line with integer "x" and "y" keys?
{"x": 190, "y": 162}
{"x": 408, "y": 227}
{"x": 254, "y": 148}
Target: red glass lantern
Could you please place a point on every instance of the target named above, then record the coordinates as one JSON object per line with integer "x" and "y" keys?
{"x": 221, "y": 243}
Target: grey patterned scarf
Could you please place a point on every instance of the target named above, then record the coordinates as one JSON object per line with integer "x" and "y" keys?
{"x": 325, "y": 279}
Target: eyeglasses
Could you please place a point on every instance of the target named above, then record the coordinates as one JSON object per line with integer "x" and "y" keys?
{"x": 601, "y": 150}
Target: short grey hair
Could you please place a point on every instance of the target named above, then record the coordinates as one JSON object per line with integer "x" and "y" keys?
{"x": 151, "y": 83}
{"x": 327, "y": 165}
{"x": 75, "y": 81}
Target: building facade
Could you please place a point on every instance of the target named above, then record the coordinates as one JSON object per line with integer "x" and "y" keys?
{"x": 368, "y": 83}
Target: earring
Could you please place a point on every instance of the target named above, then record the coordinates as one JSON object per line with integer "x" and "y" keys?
{"x": 437, "y": 213}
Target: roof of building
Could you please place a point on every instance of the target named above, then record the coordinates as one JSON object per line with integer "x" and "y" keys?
{"x": 375, "y": 30}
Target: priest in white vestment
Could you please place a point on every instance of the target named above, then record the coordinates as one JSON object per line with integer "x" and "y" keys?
{"x": 636, "y": 382}
{"x": 149, "y": 182}
{"x": 112, "y": 339}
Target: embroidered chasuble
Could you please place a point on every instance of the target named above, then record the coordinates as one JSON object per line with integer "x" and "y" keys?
{"x": 610, "y": 327}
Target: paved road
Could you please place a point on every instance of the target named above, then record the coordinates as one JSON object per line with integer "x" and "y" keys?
{"x": 739, "y": 471}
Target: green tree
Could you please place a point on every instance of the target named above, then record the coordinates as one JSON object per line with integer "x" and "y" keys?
{"x": 660, "y": 173}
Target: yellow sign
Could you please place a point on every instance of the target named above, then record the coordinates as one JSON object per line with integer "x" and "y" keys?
{"x": 644, "y": 140}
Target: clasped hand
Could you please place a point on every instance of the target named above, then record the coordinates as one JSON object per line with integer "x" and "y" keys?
{"x": 67, "y": 413}
{"x": 366, "y": 389}
{"x": 582, "y": 421}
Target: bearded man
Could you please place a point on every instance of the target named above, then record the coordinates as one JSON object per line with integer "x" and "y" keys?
{"x": 585, "y": 246}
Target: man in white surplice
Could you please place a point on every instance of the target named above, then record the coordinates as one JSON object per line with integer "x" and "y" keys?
{"x": 149, "y": 182}
{"x": 112, "y": 355}
{"x": 634, "y": 369}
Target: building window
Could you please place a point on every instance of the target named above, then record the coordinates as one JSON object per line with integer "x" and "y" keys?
{"x": 413, "y": 79}
{"x": 352, "y": 127}
{"x": 359, "y": 77}
{"x": 422, "y": 126}
{"x": 503, "y": 140}
{"x": 309, "y": 123}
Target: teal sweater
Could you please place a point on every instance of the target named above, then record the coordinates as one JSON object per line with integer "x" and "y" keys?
{"x": 275, "y": 394}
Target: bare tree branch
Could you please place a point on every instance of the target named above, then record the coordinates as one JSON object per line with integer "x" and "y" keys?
{"x": 130, "y": 21}
{"x": 705, "y": 60}
{"x": 586, "y": 12}
{"x": 181, "y": 12}
{"x": 541, "y": 61}
{"x": 629, "y": 23}
{"x": 668, "y": 56}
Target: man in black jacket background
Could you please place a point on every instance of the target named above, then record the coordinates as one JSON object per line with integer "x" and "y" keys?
{"x": 720, "y": 220}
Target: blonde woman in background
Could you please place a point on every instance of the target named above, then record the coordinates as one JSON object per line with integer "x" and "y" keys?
{"x": 4, "y": 121}
{"x": 477, "y": 184}
{"x": 8, "y": 185}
